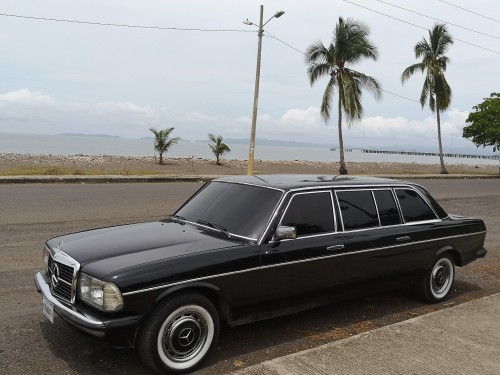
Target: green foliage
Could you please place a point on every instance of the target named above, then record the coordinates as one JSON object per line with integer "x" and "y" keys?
{"x": 349, "y": 46}
{"x": 163, "y": 141}
{"x": 218, "y": 146}
{"x": 485, "y": 123}
{"x": 436, "y": 90}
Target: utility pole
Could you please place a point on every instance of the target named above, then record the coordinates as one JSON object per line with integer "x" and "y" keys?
{"x": 256, "y": 96}
{"x": 261, "y": 25}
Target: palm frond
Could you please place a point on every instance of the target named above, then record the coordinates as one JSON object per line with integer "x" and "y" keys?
{"x": 443, "y": 91}
{"x": 318, "y": 70}
{"x": 369, "y": 83}
{"x": 426, "y": 91}
{"x": 162, "y": 142}
{"x": 327, "y": 99}
{"x": 422, "y": 49}
{"x": 351, "y": 97}
{"x": 409, "y": 71}
{"x": 316, "y": 53}
{"x": 217, "y": 146}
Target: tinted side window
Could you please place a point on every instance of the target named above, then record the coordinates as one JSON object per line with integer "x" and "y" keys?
{"x": 358, "y": 209}
{"x": 387, "y": 209}
{"x": 435, "y": 205}
{"x": 310, "y": 213}
{"x": 413, "y": 206}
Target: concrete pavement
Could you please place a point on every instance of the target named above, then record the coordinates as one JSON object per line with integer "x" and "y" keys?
{"x": 193, "y": 178}
{"x": 460, "y": 340}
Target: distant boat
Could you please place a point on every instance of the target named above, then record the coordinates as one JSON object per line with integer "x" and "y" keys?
{"x": 333, "y": 149}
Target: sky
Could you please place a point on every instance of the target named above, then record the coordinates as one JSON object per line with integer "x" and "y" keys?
{"x": 61, "y": 77}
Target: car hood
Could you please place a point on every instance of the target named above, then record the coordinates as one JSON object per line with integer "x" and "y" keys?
{"x": 106, "y": 250}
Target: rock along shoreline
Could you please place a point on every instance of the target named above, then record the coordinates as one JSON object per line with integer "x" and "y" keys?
{"x": 101, "y": 165}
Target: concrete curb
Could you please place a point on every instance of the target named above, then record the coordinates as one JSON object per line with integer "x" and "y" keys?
{"x": 100, "y": 179}
{"x": 459, "y": 340}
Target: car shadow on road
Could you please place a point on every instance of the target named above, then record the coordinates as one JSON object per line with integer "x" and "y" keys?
{"x": 87, "y": 355}
{"x": 242, "y": 346}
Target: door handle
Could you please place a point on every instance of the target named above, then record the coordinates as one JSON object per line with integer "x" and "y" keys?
{"x": 335, "y": 247}
{"x": 403, "y": 239}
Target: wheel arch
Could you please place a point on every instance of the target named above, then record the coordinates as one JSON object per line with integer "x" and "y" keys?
{"x": 210, "y": 291}
{"x": 454, "y": 253}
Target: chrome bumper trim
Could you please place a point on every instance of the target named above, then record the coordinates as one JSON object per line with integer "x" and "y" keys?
{"x": 66, "y": 312}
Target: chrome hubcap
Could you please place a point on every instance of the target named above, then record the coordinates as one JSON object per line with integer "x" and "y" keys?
{"x": 184, "y": 336}
{"x": 440, "y": 278}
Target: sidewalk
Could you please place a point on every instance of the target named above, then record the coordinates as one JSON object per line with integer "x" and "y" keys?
{"x": 460, "y": 340}
{"x": 70, "y": 179}
{"x": 194, "y": 178}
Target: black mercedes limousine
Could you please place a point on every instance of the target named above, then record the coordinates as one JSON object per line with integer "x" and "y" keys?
{"x": 251, "y": 247}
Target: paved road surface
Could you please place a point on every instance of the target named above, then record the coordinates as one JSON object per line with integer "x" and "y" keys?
{"x": 30, "y": 214}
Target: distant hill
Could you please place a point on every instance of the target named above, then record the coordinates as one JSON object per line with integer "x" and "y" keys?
{"x": 89, "y": 135}
{"x": 270, "y": 142}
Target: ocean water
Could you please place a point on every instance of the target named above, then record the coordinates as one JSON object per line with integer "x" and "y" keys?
{"x": 71, "y": 145}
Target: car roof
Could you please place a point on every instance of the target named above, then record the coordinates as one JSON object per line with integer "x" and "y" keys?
{"x": 301, "y": 181}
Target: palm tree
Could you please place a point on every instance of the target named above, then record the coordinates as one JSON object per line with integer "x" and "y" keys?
{"x": 162, "y": 141}
{"x": 217, "y": 146}
{"x": 350, "y": 45}
{"x": 433, "y": 63}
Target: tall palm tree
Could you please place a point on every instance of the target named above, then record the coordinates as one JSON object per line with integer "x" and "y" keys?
{"x": 349, "y": 45}
{"x": 433, "y": 64}
{"x": 218, "y": 146}
{"x": 163, "y": 140}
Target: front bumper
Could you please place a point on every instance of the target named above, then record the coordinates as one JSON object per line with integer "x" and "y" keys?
{"x": 118, "y": 331}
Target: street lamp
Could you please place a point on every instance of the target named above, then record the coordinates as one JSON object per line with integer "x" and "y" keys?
{"x": 257, "y": 82}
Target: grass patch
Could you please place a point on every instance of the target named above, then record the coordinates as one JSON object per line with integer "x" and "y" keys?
{"x": 68, "y": 171}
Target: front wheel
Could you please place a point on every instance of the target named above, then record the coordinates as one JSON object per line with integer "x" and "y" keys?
{"x": 435, "y": 286}
{"x": 179, "y": 334}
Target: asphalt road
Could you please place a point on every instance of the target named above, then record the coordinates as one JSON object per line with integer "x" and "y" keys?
{"x": 30, "y": 214}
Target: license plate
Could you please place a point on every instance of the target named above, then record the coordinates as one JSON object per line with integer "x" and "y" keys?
{"x": 48, "y": 309}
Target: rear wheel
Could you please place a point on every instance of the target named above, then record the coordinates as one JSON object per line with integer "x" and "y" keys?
{"x": 439, "y": 279}
{"x": 179, "y": 334}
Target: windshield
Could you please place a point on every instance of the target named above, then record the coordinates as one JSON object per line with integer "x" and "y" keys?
{"x": 242, "y": 210}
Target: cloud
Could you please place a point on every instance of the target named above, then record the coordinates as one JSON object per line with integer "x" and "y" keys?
{"x": 36, "y": 112}
{"x": 128, "y": 108}
{"x": 309, "y": 117}
{"x": 26, "y": 97}
{"x": 199, "y": 117}
{"x": 244, "y": 120}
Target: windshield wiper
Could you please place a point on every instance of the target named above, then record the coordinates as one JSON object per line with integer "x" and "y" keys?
{"x": 217, "y": 227}
{"x": 177, "y": 219}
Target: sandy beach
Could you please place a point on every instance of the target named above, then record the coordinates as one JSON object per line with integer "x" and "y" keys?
{"x": 29, "y": 165}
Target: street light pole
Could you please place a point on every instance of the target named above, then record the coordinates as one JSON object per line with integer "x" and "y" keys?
{"x": 257, "y": 84}
{"x": 255, "y": 97}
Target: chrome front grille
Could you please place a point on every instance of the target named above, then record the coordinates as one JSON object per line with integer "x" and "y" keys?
{"x": 61, "y": 279}
{"x": 62, "y": 271}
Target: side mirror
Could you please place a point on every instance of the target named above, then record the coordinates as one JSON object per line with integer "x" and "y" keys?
{"x": 285, "y": 233}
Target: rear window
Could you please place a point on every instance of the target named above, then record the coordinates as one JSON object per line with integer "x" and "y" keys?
{"x": 413, "y": 207}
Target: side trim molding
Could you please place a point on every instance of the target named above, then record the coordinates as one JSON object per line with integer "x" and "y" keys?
{"x": 293, "y": 262}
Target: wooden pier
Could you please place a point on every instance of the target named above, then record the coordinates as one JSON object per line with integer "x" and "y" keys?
{"x": 415, "y": 153}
